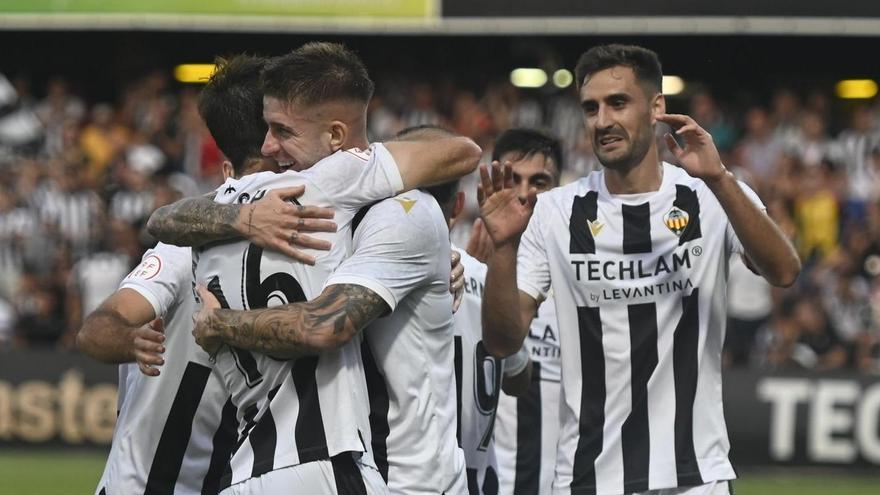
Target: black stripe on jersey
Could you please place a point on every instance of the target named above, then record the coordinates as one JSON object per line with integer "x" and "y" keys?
{"x": 687, "y": 201}
{"x": 583, "y": 210}
{"x": 459, "y": 362}
{"x": 311, "y": 441}
{"x": 685, "y": 366}
{"x": 263, "y": 439}
{"x": 527, "y": 479}
{"x": 637, "y": 228}
{"x": 359, "y": 216}
{"x": 103, "y": 491}
{"x": 592, "y": 413}
{"x": 178, "y": 428}
{"x": 249, "y": 418}
{"x": 635, "y": 436}
{"x": 473, "y": 486}
{"x": 347, "y": 476}
{"x": 224, "y": 442}
{"x": 490, "y": 482}
{"x": 379, "y": 403}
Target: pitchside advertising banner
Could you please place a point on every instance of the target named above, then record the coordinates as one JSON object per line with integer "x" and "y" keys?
{"x": 798, "y": 419}
{"x": 331, "y": 8}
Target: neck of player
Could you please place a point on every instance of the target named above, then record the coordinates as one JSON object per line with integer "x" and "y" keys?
{"x": 644, "y": 176}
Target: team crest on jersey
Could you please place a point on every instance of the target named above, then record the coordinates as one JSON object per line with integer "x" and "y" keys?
{"x": 406, "y": 203}
{"x": 676, "y": 219}
{"x": 596, "y": 226}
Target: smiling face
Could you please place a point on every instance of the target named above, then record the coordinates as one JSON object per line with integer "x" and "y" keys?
{"x": 619, "y": 116}
{"x": 298, "y": 136}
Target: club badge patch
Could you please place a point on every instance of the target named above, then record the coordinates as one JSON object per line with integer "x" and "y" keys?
{"x": 595, "y": 226}
{"x": 676, "y": 220}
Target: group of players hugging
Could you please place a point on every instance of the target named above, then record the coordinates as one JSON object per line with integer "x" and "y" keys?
{"x": 308, "y": 328}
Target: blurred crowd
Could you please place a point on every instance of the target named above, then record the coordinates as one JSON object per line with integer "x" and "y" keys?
{"x": 81, "y": 178}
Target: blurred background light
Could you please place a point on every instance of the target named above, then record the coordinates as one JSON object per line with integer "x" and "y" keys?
{"x": 528, "y": 78}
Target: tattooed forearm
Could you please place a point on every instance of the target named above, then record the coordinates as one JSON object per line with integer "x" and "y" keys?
{"x": 194, "y": 222}
{"x": 292, "y": 330}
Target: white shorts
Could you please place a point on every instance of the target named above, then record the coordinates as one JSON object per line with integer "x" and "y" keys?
{"x": 341, "y": 475}
{"x": 711, "y": 488}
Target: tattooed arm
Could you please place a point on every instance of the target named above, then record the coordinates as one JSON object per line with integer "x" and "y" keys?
{"x": 292, "y": 330}
{"x": 273, "y": 222}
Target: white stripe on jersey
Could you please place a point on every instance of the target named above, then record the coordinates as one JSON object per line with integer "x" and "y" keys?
{"x": 478, "y": 382}
{"x": 401, "y": 252}
{"x": 527, "y": 428}
{"x": 169, "y": 427}
{"x": 640, "y": 288}
{"x": 292, "y": 412}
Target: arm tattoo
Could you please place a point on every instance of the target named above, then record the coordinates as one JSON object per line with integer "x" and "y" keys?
{"x": 194, "y": 222}
{"x": 292, "y": 330}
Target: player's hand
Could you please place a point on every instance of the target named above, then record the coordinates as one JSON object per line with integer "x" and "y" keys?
{"x": 699, "y": 157}
{"x": 149, "y": 345}
{"x": 276, "y": 223}
{"x": 480, "y": 244}
{"x": 456, "y": 280}
{"x": 206, "y": 336}
{"x": 505, "y": 216}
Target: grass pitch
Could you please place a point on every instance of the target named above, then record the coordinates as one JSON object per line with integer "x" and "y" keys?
{"x": 60, "y": 472}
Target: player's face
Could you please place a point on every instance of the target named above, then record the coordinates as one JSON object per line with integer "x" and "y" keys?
{"x": 296, "y": 139}
{"x": 619, "y": 116}
{"x": 538, "y": 171}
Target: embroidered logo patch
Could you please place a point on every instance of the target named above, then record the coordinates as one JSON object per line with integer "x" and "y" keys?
{"x": 676, "y": 220}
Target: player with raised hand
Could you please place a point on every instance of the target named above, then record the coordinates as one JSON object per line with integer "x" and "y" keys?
{"x": 527, "y": 421}
{"x": 636, "y": 255}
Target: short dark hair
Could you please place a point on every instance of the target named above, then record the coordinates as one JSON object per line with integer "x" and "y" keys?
{"x": 443, "y": 193}
{"x": 528, "y": 142}
{"x": 318, "y": 72}
{"x": 642, "y": 61}
{"x": 231, "y": 105}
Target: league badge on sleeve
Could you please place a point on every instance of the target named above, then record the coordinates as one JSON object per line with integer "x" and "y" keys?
{"x": 676, "y": 220}
{"x": 149, "y": 268}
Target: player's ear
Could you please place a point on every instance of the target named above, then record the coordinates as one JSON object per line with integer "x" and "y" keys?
{"x": 658, "y": 106}
{"x": 338, "y": 133}
{"x": 228, "y": 170}
{"x": 457, "y": 208}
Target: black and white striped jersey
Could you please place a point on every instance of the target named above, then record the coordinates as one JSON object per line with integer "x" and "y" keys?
{"x": 477, "y": 383}
{"x": 76, "y": 215}
{"x": 527, "y": 428}
{"x": 173, "y": 433}
{"x": 16, "y": 224}
{"x": 640, "y": 285}
{"x": 133, "y": 207}
{"x": 312, "y": 408}
{"x": 401, "y": 253}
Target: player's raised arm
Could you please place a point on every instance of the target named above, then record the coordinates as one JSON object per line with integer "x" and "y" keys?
{"x": 507, "y": 311}
{"x": 274, "y": 223}
{"x": 764, "y": 243}
{"x": 433, "y": 156}
{"x": 124, "y": 329}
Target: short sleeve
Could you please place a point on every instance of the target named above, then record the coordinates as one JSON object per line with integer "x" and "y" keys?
{"x": 733, "y": 243}
{"x": 164, "y": 272}
{"x": 398, "y": 246}
{"x": 354, "y": 178}
{"x": 532, "y": 265}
